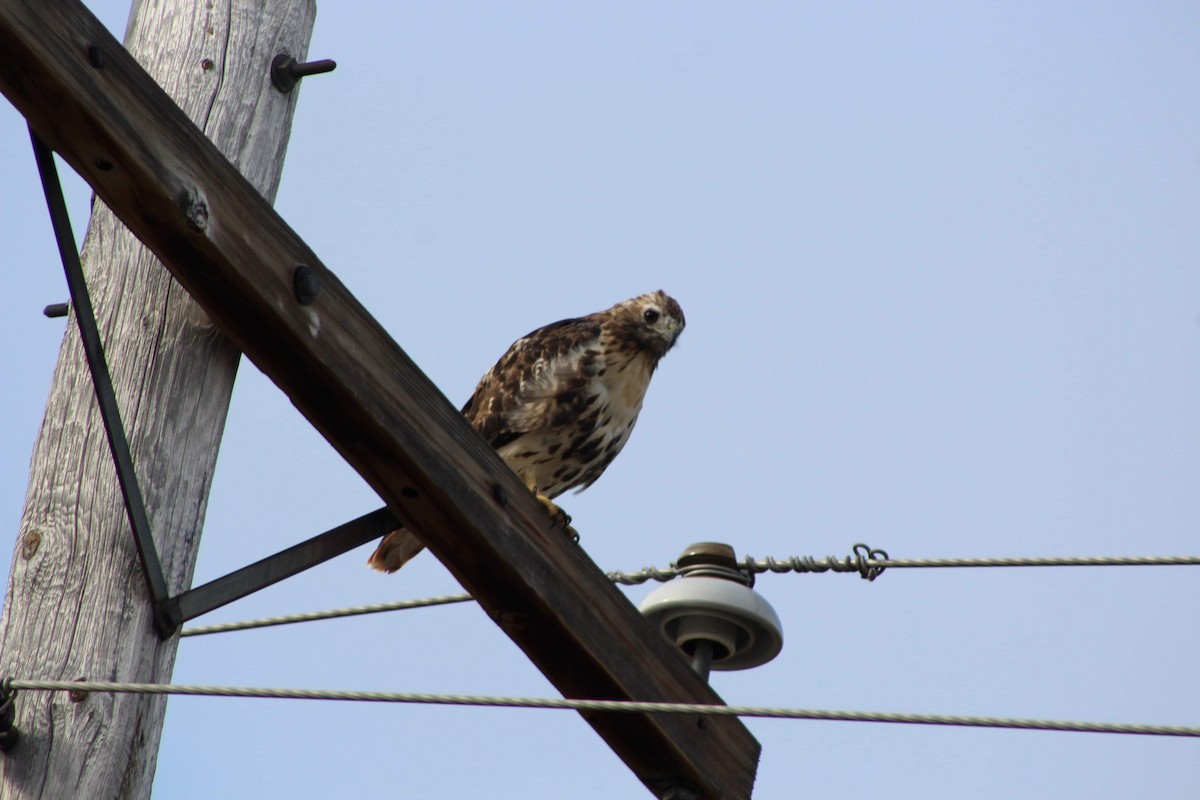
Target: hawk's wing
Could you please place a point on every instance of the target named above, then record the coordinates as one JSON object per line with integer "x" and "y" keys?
{"x": 538, "y": 383}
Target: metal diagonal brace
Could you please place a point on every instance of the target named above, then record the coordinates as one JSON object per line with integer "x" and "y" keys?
{"x": 284, "y": 564}
{"x": 170, "y": 612}
{"x": 85, "y": 317}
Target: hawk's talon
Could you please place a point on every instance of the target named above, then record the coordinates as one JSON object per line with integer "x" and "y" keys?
{"x": 564, "y": 522}
{"x": 559, "y": 517}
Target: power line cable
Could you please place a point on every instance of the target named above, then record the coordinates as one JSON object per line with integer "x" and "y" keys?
{"x": 603, "y": 705}
{"x": 871, "y": 567}
{"x": 870, "y": 562}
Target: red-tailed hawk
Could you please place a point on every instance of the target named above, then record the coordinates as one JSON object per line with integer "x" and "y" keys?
{"x": 559, "y": 405}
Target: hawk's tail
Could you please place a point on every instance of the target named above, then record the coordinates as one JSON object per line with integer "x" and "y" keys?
{"x": 395, "y": 550}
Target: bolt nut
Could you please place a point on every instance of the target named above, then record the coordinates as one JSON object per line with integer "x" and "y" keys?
{"x": 306, "y": 284}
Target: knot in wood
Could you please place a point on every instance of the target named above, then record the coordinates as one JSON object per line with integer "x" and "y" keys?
{"x": 195, "y": 210}
{"x": 30, "y": 543}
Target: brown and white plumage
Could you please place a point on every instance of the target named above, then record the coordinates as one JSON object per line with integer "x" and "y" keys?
{"x": 560, "y": 404}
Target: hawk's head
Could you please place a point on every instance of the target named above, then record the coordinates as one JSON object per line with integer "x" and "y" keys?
{"x": 650, "y": 322}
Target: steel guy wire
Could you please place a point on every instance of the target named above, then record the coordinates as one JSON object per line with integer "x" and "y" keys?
{"x": 647, "y": 574}
{"x": 335, "y": 613}
{"x": 868, "y": 562}
{"x": 625, "y": 706}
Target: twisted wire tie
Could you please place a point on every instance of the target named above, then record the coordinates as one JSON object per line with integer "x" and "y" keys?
{"x": 864, "y": 562}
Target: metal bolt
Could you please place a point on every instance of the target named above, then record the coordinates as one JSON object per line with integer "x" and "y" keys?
{"x": 306, "y": 284}
{"x": 56, "y": 310}
{"x": 286, "y": 72}
{"x": 702, "y": 657}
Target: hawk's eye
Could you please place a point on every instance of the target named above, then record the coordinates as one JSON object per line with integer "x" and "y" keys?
{"x": 651, "y": 315}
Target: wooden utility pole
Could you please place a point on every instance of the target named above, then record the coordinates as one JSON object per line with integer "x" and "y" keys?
{"x": 77, "y": 605}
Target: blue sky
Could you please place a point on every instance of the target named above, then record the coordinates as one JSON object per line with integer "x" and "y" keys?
{"x": 939, "y": 264}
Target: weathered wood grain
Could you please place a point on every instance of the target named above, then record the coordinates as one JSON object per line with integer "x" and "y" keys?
{"x": 76, "y": 604}
{"x": 237, "y": 258}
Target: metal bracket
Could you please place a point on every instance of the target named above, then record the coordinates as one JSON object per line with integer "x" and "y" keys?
{"x": 284, "y": 564}
{"x": 85, "y": 317}
{"x": 171, "y": 612}
{"x": 9, "y": 735}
